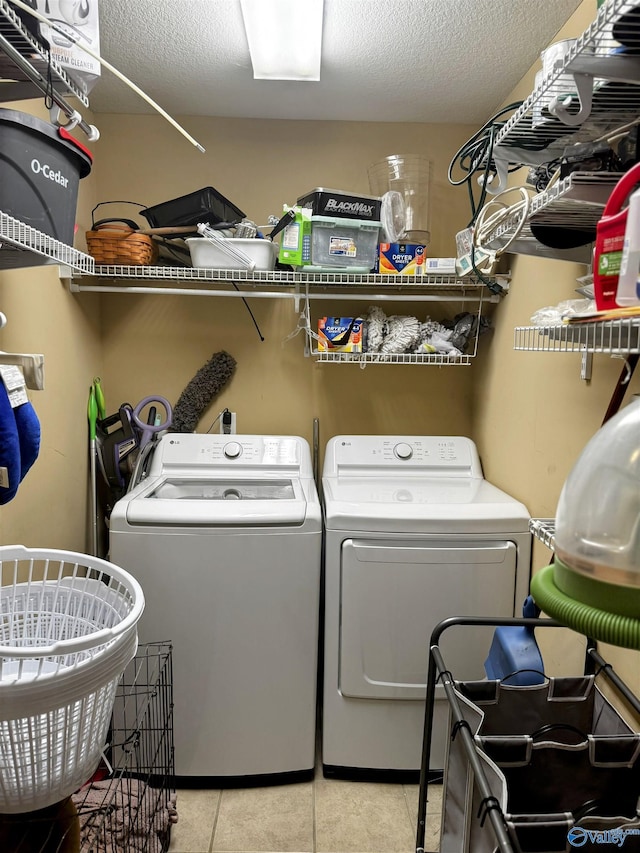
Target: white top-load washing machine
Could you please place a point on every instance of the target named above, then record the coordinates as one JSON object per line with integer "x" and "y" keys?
{"x": 225, "y": 537}
{"x": 414, "y": 535}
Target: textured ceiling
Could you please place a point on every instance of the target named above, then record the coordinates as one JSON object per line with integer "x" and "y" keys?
{"x": 383, "y": 60}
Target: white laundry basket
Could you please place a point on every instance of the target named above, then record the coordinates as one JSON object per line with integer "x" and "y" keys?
{"x": 68, "y": 628}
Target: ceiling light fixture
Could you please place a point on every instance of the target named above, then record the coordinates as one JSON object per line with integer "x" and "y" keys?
{"x": 285, "y": 38}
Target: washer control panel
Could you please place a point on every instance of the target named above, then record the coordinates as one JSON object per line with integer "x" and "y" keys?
{"x": 259, "y": 452}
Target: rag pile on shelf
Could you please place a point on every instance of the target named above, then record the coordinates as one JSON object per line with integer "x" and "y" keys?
{"x": 124, "y": 814}
{"x": 405, "y": 334}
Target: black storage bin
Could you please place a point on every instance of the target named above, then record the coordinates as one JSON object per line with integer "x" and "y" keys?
{"x": 40, "y": 170}
{"x": 205, "y": 205}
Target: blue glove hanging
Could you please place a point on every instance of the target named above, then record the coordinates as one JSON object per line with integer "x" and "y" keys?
{"x": 28, "y": 427}
{"x": 9, "y": 448}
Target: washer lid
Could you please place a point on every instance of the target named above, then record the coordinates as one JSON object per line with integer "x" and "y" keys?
{"x": 421, "y": 505}
{"x": 222, "y": 490}
{"x": 181, "y": 501}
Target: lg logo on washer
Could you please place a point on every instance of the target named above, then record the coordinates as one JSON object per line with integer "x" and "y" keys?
{"x": 38, "y": 168}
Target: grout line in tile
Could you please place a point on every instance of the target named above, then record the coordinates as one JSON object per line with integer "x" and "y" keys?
{"x": 314, "y": 839}
{"x": 215, "y": 821}
{"x": 407, "y": 805}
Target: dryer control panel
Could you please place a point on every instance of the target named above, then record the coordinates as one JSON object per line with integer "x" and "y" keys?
{"x": 432, "y": 455}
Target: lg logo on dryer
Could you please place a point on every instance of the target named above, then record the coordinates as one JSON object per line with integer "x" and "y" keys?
{"x": 38, "y": 168}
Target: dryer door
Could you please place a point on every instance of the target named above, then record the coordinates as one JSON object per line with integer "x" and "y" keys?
{"x": 394, "y": 593}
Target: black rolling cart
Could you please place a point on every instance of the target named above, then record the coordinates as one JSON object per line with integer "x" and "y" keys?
{"x": 534, "y": 769}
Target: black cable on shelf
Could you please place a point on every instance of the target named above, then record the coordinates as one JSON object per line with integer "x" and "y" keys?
{"x": 475, "y": 157}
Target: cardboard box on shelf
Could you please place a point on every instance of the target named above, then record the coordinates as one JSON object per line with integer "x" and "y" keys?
{"x": 340, "y": 334}
{"x": 401, "y": 259}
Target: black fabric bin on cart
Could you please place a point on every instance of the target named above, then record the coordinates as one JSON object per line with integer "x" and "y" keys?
{"x": 562, "y": 764}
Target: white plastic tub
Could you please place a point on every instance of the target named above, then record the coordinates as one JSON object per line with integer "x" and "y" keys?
{"x": 228, "y": 253}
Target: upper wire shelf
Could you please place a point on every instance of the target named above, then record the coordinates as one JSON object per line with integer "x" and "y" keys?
{"x": 12, "y": 79}
{"x": 613, "y": 337}
{"x": 195, "y": 281}
{"x": 23, "y": 242}
{"x": 279, "y": 277}
{"x": 583, "y": 195}
{"x": 590, "y": 94}
{"x": 575, "y": 202}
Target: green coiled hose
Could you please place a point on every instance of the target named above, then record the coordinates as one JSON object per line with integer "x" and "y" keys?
{"x": 598, "y": 624}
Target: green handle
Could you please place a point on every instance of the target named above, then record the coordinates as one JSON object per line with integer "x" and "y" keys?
{"x": 92, "y": 412}
{"x": 102, "y": 411}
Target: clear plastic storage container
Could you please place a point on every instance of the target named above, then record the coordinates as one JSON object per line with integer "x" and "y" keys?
{"x": 343, "y": 243}
{"x": 598, "y": 516}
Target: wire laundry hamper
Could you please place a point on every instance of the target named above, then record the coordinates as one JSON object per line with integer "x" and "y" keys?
{"x": 68, "y": 629}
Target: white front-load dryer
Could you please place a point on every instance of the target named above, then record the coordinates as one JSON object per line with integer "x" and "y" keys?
{"x": 413, "y": 535}
{"x": 225, "y": 537}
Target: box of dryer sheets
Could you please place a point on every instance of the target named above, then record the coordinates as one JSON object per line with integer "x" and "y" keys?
{"x": 340, "y": 334}
{"x": 295, "y": 240}
{"x": 346, "y": 205}
{"x": 401, "y": 258}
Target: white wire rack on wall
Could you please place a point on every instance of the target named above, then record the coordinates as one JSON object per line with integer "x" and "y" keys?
{"x": 576, "y": 202}
{"x": 590, "y": 92}
{"x": 26, "y": 64}
{"x": 544, "y": 529}
{"x": 315, "y": 285}
{"x": 364, "y": 358}
{"x": 19, "y": 242}
{"x": 437, "y": 359}
{"x": 613, "y": 337}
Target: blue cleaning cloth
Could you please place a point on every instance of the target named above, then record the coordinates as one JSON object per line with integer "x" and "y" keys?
{"x": 28, "y": 427}
{"x": 9, "y": 447}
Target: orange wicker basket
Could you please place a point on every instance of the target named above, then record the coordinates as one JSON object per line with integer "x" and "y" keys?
{"x": 115, "y": 243}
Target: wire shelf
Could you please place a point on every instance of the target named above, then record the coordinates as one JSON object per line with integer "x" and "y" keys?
{"x": 25, "y": 241}
{"x": 15, "y": 33}
{"x": 363, "y": 358}
{"x": 613, "y": 337}
{"x": 278, "y": 284}
{"x": 285, "y": 278}
{"x": 581, "y": 196}
{"x": 596, "y": 87}
{"x": 543, "y": 529}
{"x": 575, "y": 202}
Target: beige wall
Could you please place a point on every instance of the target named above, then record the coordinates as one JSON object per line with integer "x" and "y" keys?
{"x": 155, "y": 344}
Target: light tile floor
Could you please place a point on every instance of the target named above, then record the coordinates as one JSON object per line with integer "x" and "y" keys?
{"x": 320, "y": 816}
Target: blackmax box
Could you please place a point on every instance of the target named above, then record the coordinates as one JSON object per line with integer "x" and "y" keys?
{"x": 324, "y": 202}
